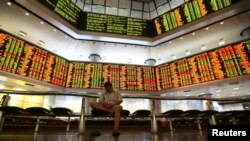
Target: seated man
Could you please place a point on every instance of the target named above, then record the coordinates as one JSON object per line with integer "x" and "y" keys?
{"x": 210, "y": 105}
{"x": 110, "y": 101}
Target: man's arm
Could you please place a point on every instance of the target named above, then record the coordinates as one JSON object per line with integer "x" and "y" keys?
{"x": 117, "y": 103}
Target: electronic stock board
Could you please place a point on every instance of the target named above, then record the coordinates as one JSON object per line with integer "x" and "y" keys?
{"x": 188, "y": 12}
{"x": 226, "y": 62}
{"x": 99, "y": 22}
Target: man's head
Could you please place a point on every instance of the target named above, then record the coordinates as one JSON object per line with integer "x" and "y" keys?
{"x": 108, "y": 87}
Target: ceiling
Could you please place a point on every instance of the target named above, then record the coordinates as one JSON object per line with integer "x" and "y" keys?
{"x": 62, "y": 39}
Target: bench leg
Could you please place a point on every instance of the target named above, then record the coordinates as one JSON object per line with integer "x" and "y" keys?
{"x": 154, "y": 127}
{"x": 68, "y": 126}
{"x": 81, "y": 127}
{"x": 199, "y": 124}
{"x": 37, "y": 125}
{"x": 1, "y": 121}
{"x": 170, "y": 125}
{"x": 213, "y": 120}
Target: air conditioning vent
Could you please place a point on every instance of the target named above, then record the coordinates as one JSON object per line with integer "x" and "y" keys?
{"x": 234, "y": 83}
{"x": 28, "y": 84}
{"x": 22, "y": 33}
{"x": 187, "y": 91}
{"x": 205, "y": 95}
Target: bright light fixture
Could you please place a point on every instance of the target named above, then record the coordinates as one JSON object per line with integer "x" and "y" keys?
{"x": 40, "y": 42}
{"x": 21, "y": 33}
{"x": 188, "y": 52}
{"x": 203, "y": 47}
{"x": 222, "y": 41}
{"x": 173, "y": 56}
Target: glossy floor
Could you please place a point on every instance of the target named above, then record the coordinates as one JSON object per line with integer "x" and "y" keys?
{"x": 126, "y": 135}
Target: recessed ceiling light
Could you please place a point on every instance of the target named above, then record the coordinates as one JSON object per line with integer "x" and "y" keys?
{"x": 9, "y": 3}
{"x": 40, "y": 42}
{"x": 187, "y": 95}
{"x": 222, "y": 23}
{"x": 236, "y": 88}
{"x": 99, "y": 93}
{"x": 181, "y": 38}
{"x": 218, "y": 91}
{"x": 170, "y": 42}
{"x": 202, "y": 93}
{"x": 41, "y": 22}
{"x": 67, "y": 37}
{"x": 173, "y": 56}
{"x": 21, "y": 33}
{"x": 27, "y": 14}
{"x": 54, "y": 29}
{"x": 234, "y": 92}
{"x": 188, "y": 52}
{"x": 54, "y": 50}
{"x": 222, "y": 41}
{"x": 193, "y": 33}
{"x": 203, "y": 47}
{"x": 207, "y": 28}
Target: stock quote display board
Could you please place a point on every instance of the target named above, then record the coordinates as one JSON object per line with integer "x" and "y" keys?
{"x": 66, "y": 9}
{"x": 177, "y": 17}
{"x": 188, "y": 12}
{"x": 99, "y": 22}
{"x": 19, "y": 57}
{"x": 123, "y": 77}
{"x": 116, "y": 24}
{"x": 230, "y": 61}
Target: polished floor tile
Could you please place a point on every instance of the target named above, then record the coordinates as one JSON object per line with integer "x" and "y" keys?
{"x": 106, "y": 136}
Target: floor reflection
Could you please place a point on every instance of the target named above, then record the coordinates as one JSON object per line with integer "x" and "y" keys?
{"x": 154, "y": 137}
{"x": 107, "y": 136}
